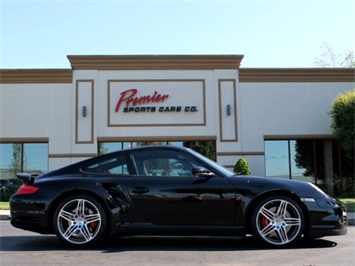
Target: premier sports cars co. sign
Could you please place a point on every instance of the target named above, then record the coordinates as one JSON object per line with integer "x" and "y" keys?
{"x": 132, "y": 102}
{"x": 144, "y": 102}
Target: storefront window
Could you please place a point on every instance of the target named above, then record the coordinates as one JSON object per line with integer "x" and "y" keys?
{"x": 10, "y": 160}
{"x": 35, "y": 157}
{"x": 206, "y": 148}
{"x": 305, "y": 160}
{"x": 277, "y": 158}
{"x": 293, "y": 159}
{"x": 301, "y": 158}
{"x": 22, "y": 157}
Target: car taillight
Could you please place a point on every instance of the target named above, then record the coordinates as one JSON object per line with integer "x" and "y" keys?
{"x": 27, "y": 189}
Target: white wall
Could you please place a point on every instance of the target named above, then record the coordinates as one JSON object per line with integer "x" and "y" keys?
{"x": 37, "y": 111}
{"x": 263, "y": 109}
{"x": 284, "y": 109}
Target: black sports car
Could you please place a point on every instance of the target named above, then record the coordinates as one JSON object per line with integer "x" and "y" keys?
{"x": 169, "y": 190}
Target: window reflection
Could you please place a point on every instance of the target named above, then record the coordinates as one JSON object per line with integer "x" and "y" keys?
{"x": 35, "y": 158}
{"x": 276, "y": 158}
{"x": 107, "y": 147}
{"x": 296, "y": 159}
{"x": 22, "y": 157}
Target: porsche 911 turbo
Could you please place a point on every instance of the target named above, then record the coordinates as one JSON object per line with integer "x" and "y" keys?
{"x": 170, "y": 190}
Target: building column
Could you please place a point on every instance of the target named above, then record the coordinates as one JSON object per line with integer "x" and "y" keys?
{"x": 328, "y": 166}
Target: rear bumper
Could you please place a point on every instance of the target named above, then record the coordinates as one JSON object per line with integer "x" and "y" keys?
{"x": 29, "y": 216}
{"x": 32, "y": 223}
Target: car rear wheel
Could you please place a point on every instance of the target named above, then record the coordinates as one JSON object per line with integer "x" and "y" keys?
{"x": 278, "y": 221}
{"x": 80, "y": 221}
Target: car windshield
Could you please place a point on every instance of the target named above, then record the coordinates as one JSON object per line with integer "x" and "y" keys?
{"x": 221, "y": 169}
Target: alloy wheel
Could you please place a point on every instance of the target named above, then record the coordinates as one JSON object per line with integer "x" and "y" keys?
{"x": 79, "y": 221}
{"x": 279, "y": 221}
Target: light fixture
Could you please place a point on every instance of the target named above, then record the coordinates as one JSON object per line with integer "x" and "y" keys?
{"x": 84, "y": 111}
{"x": 228, "y": 109}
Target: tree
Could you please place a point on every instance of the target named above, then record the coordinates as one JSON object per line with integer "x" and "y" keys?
{"x": 329, "y": 58}
{"x": 16, "y": 162}
{"x": 102, "y": 149}
{"x": 342, "y": 115}
{"x": 242, "y": 167}
{"x": 206, "y": 148}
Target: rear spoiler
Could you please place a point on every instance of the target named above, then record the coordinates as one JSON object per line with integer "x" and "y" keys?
{"x": 27, "y": 178}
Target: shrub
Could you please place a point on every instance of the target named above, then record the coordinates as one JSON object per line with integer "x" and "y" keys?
{"x": 242, "y": 167}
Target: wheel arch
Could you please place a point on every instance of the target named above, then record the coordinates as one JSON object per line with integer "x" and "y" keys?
{"x": 258, "y": 198}
{"x": 70, "y": 193}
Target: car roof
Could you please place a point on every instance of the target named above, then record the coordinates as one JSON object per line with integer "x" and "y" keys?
{"x": 79, "y": 165}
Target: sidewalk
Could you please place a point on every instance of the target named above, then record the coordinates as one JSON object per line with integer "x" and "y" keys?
{"x": 5, "y": 215}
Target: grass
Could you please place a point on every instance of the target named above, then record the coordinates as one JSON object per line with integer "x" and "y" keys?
{"x": 4, "y": 205}
{"x": 349, "y": 202}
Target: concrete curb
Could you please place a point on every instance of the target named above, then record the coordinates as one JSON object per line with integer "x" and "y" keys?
{"x": 351, "y": 218}
{"x": 5, "y": 215}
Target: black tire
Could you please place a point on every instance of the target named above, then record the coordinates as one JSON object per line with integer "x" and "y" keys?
{"x": 80, "y": 221}
{"x": 278, "y": 221}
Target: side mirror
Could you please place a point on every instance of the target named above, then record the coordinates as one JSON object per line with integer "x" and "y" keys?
{"x": 199, "y": 171}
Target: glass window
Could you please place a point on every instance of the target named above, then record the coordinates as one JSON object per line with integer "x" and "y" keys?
{"x": 10, "y": 160}
{"x": 301, "y": 154}
{"x": 162, "y": 163}
{"x": 295, "y": 159}
{"x": 305, "y": 160}
{"x": 22, "y": 157}
{"x": 107, "y": 147}
{"x": 206, "y": 148}
{"x": 126, "y": 145}
{"x": 176, "y": 143}
{"x": 112, "y": 165}
{"x": 276, "y": 158}
{"x": 35, "y": 157}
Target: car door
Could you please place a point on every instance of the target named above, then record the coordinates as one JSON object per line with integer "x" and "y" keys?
{"x": 167, "y": 193}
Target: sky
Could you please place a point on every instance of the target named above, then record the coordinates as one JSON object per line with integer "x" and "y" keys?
{"x": 275, "y": 34}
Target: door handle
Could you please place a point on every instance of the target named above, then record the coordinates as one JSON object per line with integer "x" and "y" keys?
{"x": 139, "y": 190}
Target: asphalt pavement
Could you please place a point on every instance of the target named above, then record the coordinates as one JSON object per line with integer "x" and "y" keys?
{"x": 5, "y": 215}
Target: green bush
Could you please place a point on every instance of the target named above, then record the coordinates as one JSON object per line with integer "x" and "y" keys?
{"x": 342, "y": 115}
{"x": 242, "y": 167}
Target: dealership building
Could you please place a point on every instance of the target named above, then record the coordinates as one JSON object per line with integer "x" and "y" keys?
{"x": 277, "y": 119}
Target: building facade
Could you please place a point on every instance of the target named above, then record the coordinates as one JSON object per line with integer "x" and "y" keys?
{"x": 277, "y": 119}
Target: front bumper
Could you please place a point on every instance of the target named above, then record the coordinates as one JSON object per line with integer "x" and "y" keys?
{"x": 328, "y": 217}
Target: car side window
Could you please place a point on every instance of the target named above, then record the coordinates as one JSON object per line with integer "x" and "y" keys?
{"x": 113, "y": 165}
{"x": 162, "y": 163}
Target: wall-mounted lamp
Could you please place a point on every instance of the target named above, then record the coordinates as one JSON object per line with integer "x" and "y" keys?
{"x": 228, "y": 109}
{"x": 84, "y": 111}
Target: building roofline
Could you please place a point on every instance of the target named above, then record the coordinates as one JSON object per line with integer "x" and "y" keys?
{"x": 30, "y": 76}
{"x": 154, "y": 62}
{"x": 297, "y": 75}
{"x": 179, "y": 62}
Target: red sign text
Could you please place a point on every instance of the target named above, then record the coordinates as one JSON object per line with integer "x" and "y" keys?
{"x": 129, "y": 97}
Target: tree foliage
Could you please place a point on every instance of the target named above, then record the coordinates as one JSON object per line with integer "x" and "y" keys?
{"x": 242, "y": 167}
{"x": 343, "y": 120}
{"x": 206, "y": 148}
{"x": 16, "y": 162}
{"x": 329, "y": 58}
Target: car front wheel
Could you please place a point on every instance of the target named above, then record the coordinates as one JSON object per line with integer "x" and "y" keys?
{"x": 278, "y": 221}
{"x": 80, "y": 221}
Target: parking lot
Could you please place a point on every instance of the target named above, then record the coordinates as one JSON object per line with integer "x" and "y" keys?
{"x": 20, "y": 247}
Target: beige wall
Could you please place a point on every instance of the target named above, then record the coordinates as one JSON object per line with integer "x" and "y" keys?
{"x": 47, "y": 105}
